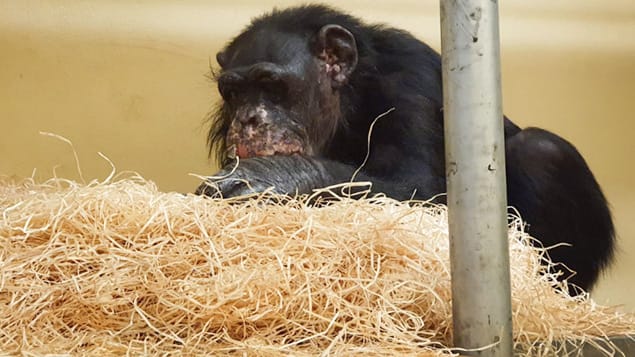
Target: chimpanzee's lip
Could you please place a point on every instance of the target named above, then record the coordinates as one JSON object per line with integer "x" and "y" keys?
{"x": 289, "y": 153}
{"x": 245, "y": 151}
{"x": 248, "y": 141}
{"x": 242, "y": 151}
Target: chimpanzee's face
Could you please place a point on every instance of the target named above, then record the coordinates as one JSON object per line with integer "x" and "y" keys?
{"x": 280, "y": 93}
{"x": 263, "y": 83}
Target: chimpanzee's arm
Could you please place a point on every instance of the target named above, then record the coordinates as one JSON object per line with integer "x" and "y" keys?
{"x": 298, "y": 174}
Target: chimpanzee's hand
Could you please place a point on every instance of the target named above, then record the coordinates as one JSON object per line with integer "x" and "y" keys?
{"x": 241, "y": 178}
{"x": 289, "y": 175}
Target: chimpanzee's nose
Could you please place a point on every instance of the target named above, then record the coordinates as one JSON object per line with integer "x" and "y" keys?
{"x": 253, "y": 116}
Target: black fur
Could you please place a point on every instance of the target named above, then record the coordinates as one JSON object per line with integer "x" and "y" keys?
{"x": 548, "y": 181}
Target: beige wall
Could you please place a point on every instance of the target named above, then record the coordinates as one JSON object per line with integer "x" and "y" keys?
{"x": 127, "y": 79}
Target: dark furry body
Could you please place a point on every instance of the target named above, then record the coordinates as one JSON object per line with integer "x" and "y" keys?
{"x": 549, "y": 182}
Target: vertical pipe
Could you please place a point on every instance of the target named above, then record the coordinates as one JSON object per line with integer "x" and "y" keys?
{"x": 475, "y": 170}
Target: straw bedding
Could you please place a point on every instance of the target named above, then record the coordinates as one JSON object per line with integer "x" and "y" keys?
{"x": 116, "y": 267}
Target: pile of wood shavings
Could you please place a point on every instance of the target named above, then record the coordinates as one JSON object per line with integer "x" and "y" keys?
{"x": 119, "y": 267}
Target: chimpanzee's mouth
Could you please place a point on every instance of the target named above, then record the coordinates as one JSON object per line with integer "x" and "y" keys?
{"x": 248, "y": 151}
{"x": 267, "y": 143}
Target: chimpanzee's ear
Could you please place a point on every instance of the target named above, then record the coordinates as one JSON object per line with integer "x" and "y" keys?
{"x": 337, "y": 48}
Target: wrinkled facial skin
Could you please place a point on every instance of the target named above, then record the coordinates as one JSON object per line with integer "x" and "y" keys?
{"x": 273, "y": 103}
{"x": 264, "y": 139}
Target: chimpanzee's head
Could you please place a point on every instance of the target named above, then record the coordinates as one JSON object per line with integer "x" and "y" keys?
{"x": 280, "y": 87}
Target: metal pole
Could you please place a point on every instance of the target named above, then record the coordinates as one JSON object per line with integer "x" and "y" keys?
{"x": 475, "y": 170}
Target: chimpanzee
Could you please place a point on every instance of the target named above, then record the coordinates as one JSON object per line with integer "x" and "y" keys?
{"x": 301, "y": 88}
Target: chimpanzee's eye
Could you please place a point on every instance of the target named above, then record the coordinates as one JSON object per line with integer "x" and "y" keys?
{"x": 228, "y": 92}
{"x": 229, "y": 85}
